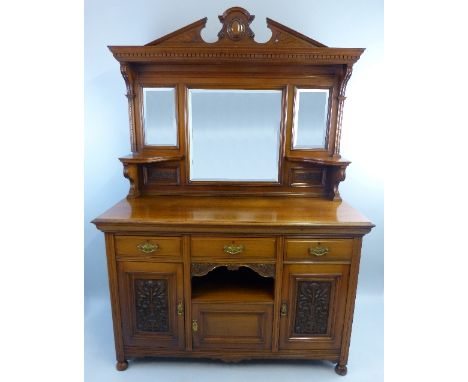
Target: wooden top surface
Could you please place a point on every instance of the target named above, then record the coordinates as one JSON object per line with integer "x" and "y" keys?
{"x": 203, "y": 211}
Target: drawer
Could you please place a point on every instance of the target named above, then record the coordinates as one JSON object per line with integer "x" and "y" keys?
{"x": 233, "y": 247}
{"x": 319, "y": 249}
{"x": 148, "y": 247}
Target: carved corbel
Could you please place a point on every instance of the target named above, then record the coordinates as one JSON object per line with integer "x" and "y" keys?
{"x": 129, "y": 77}
{"x": 341, "y": 99}
{"x": 335, "y": 175}
{"x": 131, "y": 173}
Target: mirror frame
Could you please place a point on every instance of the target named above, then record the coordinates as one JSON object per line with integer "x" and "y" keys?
{"x": 177, "y": 150}
{"x": 289, "y": 60}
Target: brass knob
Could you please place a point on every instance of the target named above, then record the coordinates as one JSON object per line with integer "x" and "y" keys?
{"x": 318, "y": 250}
{"x": 233, "y": 249}
{"x": 180, "y": 308}
{"x": 147, "y": 247}
{"x": 194, "y": 325}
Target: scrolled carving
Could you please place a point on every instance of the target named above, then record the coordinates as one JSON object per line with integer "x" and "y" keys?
{"x": 236, "y": 25}
{"x": 336, "y": 175}
{"x": 128, "y": 76}
{"x": 130, "y": 171}
{"x": 312, "y": 307}
{"x": 201, "y": 269}
{"x": 285, "y": 46}
{"x": 151, "y": 305}
{"x": 265, "y": 270}
{"x": 341, "y": 99}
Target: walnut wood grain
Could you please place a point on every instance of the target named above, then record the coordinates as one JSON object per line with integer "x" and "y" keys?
{"x": 149, "y": 315}
{"x": 236, "y": 32}
{"x": 170, "y": 241}
{"x": 249, "y": 248}
{"x": 128, "y": 75}
{"x": 176, "y": 212}
{"x": 303, "y": 288}
{"x": 128, "y": 247}
{"x": 350, "y": 302}
{"x": 245, "y": 325}
{"x": 115, "y": 301}
{"x": 288, "y": 61}
{"x": 299, "y": 250}
{"x": 140, "y": 159}
{"x": 131, "y": 173}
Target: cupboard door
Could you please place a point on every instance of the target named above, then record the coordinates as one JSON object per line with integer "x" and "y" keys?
{"x": 152, "y": 304}
{"x": 313, "y": 306}
{"x": 232, "y": 325}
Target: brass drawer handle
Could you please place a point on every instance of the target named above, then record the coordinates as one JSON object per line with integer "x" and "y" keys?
{"x": 194, "y": 325}
{"x": 318, "y": 251}
{"x": 180, "y": 308}
{"x": 233, "y": 249}
{"x": 147, "y": 247}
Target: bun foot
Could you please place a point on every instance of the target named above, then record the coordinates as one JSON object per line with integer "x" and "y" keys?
{"x": 121, "y": 366}
{"x": 341, "y": 369}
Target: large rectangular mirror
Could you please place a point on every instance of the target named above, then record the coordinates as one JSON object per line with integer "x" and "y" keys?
{"x": 159, "y": 116}
{"x": 310, "y": 118}
{"x": 234, "y": 135}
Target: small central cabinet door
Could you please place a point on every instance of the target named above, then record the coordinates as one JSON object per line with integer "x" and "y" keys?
{"x": 151, "y": 304}
{"x": 313, "y": 306}
{"x": 232, "y": 325}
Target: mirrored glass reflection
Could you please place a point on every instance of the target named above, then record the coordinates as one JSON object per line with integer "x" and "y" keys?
{"x": 310, "y": 118}
{"x": 234, "y": 135}
{"x": 160, "y": 122}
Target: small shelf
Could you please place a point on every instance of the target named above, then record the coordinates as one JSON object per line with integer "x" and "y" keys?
{"x": 148, "y": 158}
{"x": 223, "y": 285}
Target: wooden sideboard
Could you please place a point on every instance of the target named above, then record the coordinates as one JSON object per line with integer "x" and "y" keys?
{"x": 294, "y": 298}
{"x": 234, "y": 270}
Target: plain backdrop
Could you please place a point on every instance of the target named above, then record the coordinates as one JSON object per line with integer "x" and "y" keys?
{"x": 336, "y": 23}
{"x": 408, "y": 115}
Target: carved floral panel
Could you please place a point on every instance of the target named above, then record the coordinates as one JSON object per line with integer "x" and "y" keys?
{"x": 312, "y": 307}
{"x": 151, "y": 305}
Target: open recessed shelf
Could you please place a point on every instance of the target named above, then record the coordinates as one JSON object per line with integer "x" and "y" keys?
{"x": 222, "y": 284}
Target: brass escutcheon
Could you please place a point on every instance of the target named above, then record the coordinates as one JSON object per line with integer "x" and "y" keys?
{"x": 194, "y": 325}
{"x": 284, "y": 310}
{"x": 180, "y": 308}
